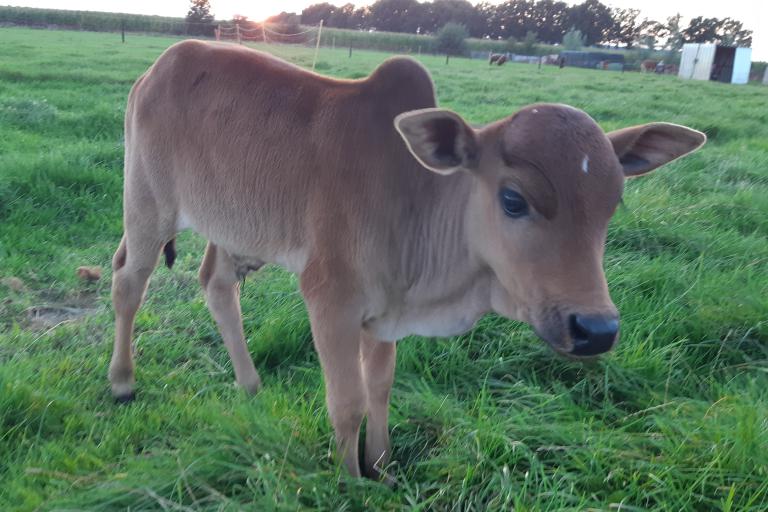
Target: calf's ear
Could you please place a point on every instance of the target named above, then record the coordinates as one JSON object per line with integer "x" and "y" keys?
{"x": 439, "y": 139}
{"x": 643, "y": 148}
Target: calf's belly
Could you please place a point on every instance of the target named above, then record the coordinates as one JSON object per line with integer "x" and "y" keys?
{"x": 249, "y": 241}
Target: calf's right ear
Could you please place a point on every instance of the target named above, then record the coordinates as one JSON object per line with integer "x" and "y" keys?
{"x": 439, "y": 139}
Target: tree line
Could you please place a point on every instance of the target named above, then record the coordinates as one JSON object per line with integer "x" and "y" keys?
{"x": 547, "y": 21}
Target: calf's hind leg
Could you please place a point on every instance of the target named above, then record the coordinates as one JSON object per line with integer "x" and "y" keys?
{"x": 132, "y": 265}
{"x": 219, "y": 279}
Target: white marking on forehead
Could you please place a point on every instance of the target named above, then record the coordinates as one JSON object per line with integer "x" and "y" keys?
{"x": 585, "y": 164}
{"x": 535, "y": 111}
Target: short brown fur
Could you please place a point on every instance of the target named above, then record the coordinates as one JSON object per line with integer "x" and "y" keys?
{"x": 326, "y": 177}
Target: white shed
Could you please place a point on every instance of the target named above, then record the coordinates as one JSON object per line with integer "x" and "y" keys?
{"x": 715, "y": 62}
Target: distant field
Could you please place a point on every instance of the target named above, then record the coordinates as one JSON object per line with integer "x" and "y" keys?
{"x": 674, "y": 419}
{"x": 331, "y": 37}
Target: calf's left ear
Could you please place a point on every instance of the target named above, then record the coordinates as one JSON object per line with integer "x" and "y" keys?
{"x": 439, "y": 139}
{"x": 643, "y": 148}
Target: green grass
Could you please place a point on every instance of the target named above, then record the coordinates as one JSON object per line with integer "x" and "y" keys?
{"x": 93, "y": 20}
{"x": 674, "y": 419}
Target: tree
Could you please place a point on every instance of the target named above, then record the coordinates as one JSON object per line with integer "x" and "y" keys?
{"x": 316, "y": 12}
{"x": 286, "y": 19}
{"x": 574, "y": 40}
{"x": 199, "y": 18}
{"x": 486, "y": 12}
{"x": 648, "y": 41}
{"x": 361, "y": 18}
{"x": 451, "y": 39}
{"x": 650, "y": 33}
{"x": 673, "y": 33}
{"x": 342, "y": 17}
{"x": 529, "y": 45}
{"x": 626, "y": 28}
{"x": 511, "y": 19}
{"x": 713, "y": 30}
{"x": 397, "y": 15}
{"x": 441, "y": 12}
{"x": 733, "y": 33}
{"x": 549, "y": 19}
{"x": 593, "y": 19}
{"x": 701, "y": 30}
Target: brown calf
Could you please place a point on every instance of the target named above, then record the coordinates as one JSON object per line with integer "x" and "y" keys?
{"x": 648, "y": 66}
{"x": 497, "y": 58}
{"x": 398, "y": 216}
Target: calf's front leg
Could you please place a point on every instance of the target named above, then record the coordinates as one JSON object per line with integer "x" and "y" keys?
{"x": 336, "y": 332}
{"x": 378, "y": 361}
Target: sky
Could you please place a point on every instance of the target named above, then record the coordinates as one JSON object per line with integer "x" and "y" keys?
{"x": 753, "y": 13}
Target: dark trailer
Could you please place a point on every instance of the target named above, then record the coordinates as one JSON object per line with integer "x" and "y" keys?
{"x": 593, "y": 60}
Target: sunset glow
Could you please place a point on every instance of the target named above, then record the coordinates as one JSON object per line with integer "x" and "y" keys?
{"x": 259, "y": 10}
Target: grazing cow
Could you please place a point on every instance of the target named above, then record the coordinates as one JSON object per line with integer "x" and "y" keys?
{"x": 399, "y": 217}
{"x": 648, "y": 66}
{"x": 670, "y": 69}
{"x": 497, "y": 58}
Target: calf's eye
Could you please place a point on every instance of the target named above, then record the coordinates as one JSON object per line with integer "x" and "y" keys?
{"x": 513, "y": 204}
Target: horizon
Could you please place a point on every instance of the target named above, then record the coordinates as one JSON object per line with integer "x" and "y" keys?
{"x": 754, "y": 18}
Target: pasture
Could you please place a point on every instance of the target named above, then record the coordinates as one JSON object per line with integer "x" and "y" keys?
{"x": 676, "y": 418}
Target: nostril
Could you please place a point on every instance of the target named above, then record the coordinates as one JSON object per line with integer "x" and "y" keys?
{"x": 578, "y": 332}
{"x": 592, "y": 334}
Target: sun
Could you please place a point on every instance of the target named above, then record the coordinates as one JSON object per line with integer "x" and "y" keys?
{"x": 258, "y": 10}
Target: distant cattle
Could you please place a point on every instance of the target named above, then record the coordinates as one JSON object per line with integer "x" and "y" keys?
{"x": 670, "y": 69}
{"x": 648, "y": 66}
{"x": 497, "y": 58}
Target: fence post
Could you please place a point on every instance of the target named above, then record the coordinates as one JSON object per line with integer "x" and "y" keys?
{"x": 350, "y": 50}
{"x": 447, "y": 56}
{"x": 237, "y": 31}
{"x": 333, "y": 43}
{"x": 419, "y": 50}
{"x": 122, "y": 30}
{"x": 217, "y": 32}
{"x": 317, "y": 46}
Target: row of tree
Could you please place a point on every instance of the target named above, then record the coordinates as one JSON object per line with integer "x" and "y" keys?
{"x": 549, "y": 20}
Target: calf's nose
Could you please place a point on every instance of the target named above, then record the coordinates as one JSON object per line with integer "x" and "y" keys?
{"x": 593, "y": 334}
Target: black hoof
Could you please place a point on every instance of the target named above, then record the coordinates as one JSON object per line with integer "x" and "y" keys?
{"x": 126, "y": 399}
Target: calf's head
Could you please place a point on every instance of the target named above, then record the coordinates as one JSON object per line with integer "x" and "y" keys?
{"x": 546, "y": 182}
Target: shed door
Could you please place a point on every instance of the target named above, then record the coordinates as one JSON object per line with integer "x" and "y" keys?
{"x": 705, "y": 57}
{"x": 741, "y": 65}
{"x": 687, "y": 61}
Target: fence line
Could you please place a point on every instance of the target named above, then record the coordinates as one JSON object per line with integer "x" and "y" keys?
{"x": 262, "y": 33}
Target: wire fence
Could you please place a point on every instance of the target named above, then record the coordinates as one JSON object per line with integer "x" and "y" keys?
{"x": 272, "y": 34}
{"x": 267, "y": 34}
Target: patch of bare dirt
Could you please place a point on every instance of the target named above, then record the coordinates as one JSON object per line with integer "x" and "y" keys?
{"x": 48, "y": 316}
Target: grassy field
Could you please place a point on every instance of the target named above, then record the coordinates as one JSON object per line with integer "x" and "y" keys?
{"x": 674, "y": 419}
